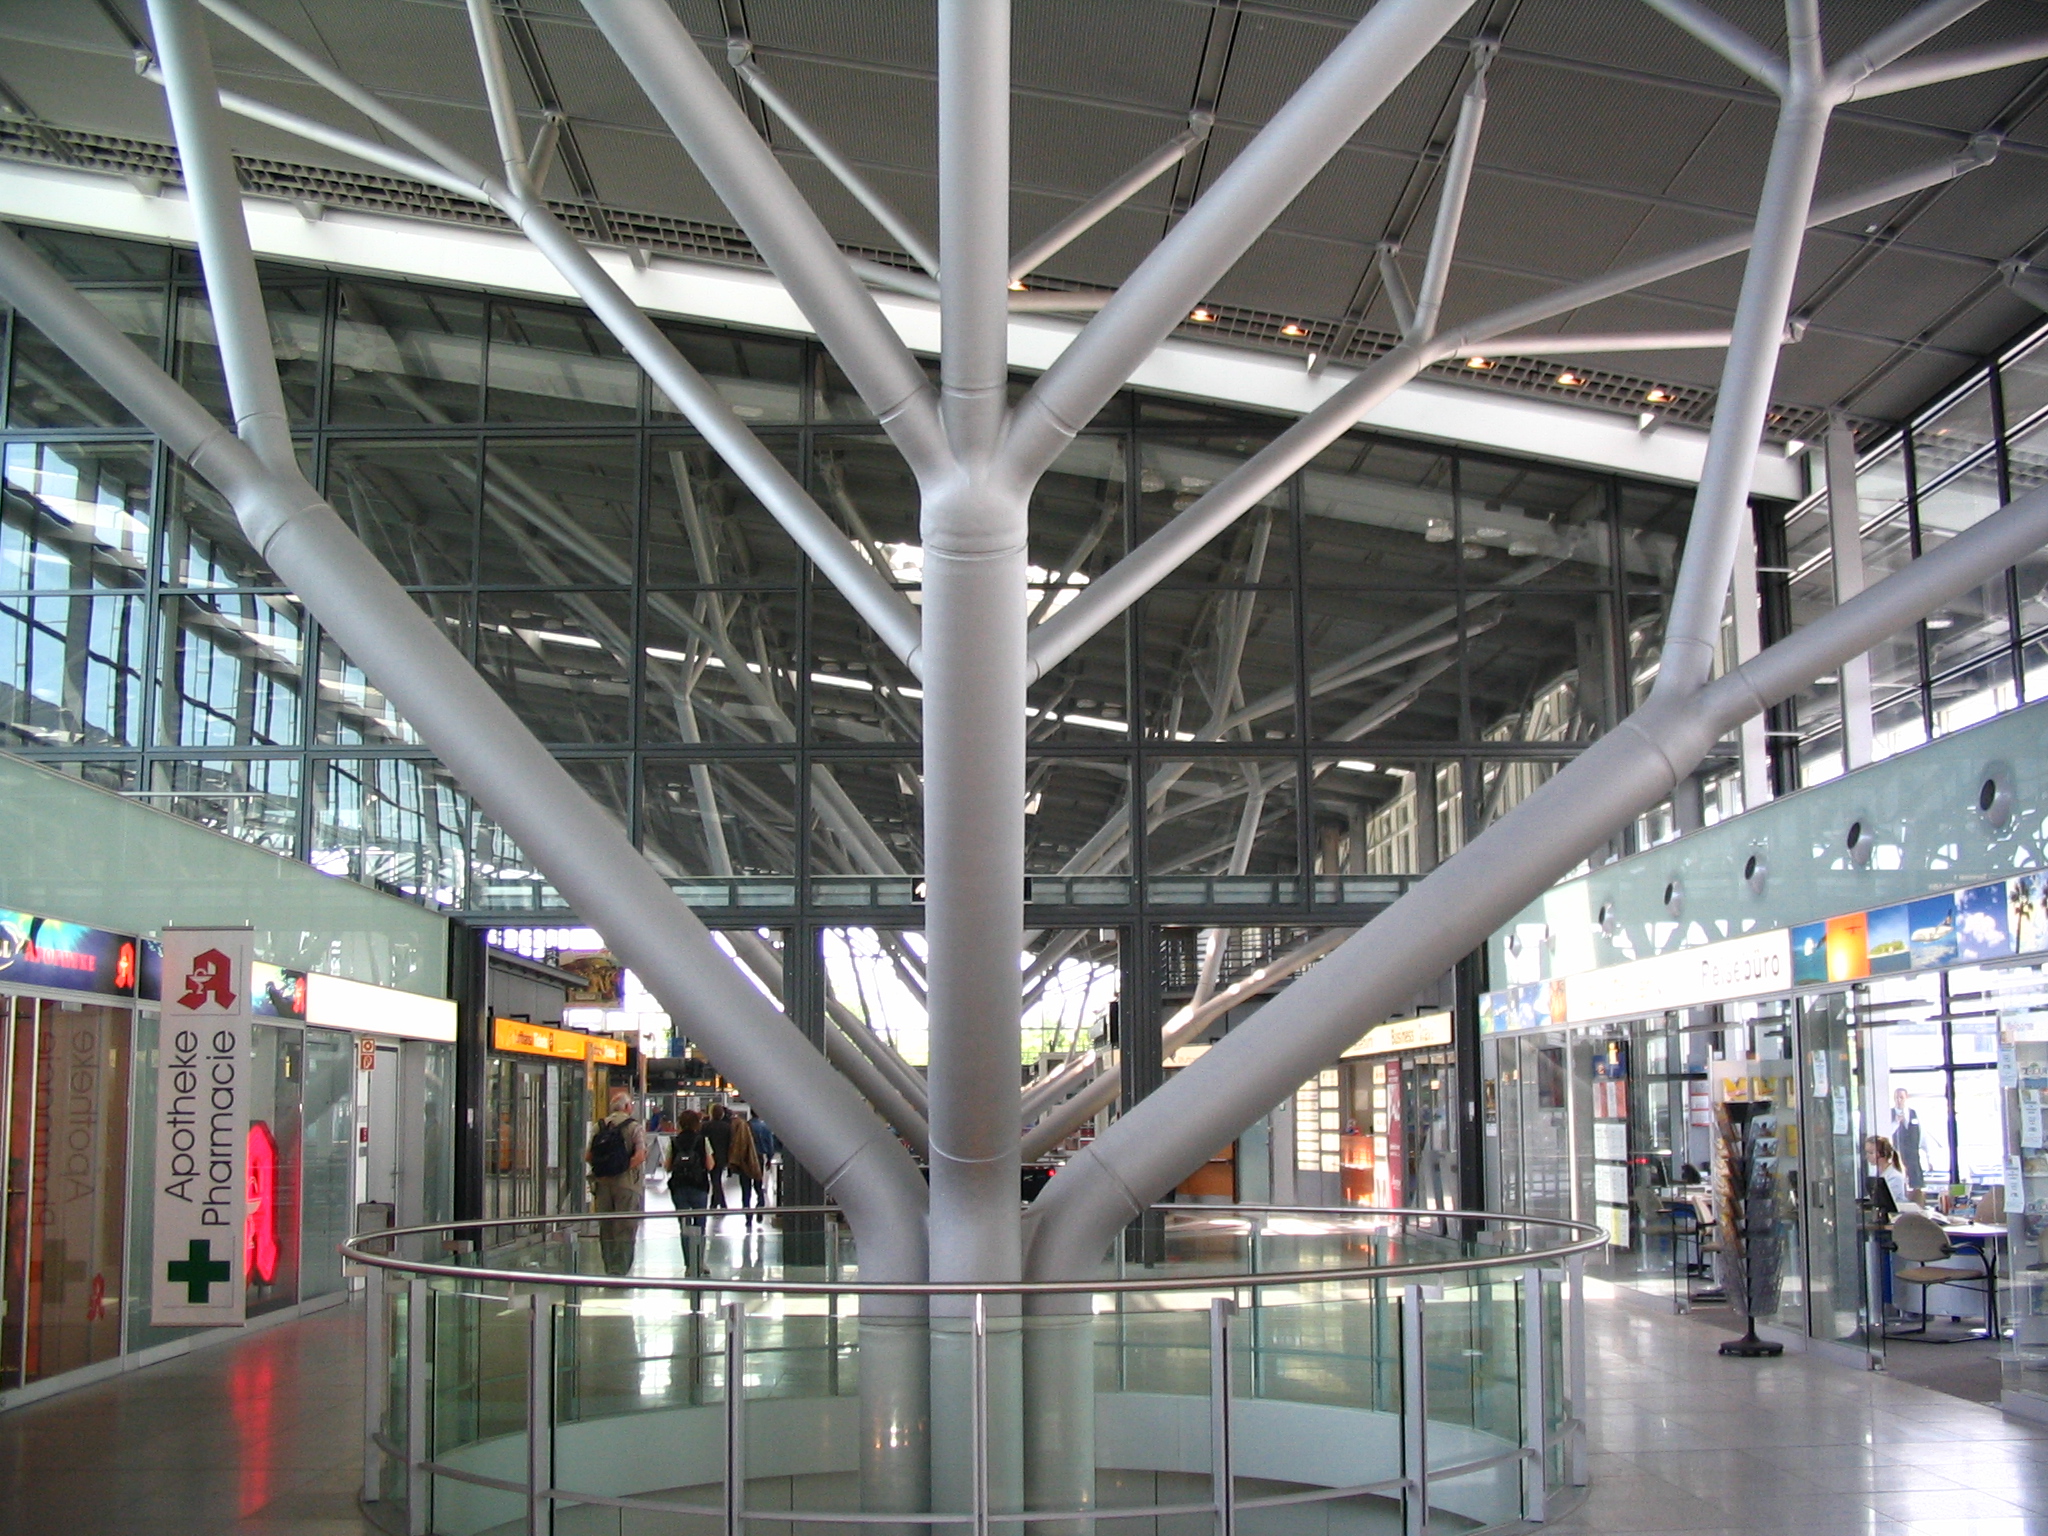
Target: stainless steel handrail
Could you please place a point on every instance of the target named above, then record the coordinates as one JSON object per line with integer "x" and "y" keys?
{"x": 1582, "y": 1237}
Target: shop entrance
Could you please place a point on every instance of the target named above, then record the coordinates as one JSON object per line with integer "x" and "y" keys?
{"x": 537, "y": 1114}
{"x": 64, "y": 1125}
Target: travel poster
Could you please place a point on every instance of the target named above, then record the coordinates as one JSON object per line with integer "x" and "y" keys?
{"x": 1887, "y": 944}
{"x": 1983, "y": 930}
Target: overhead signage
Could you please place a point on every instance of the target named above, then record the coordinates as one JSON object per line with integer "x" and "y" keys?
{"x": 276, "y": 993}
{"x": 69, "y": 957}
{"x": 553, "y": 1040}
{"x": 337, "y": 1003}
{"x": 199, "y": 1268}
{"x": 1422, "y": 1032}
{"x": 1995, "y": 921}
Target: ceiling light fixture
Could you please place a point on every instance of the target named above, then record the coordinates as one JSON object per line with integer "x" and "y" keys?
{"x": 1204, "y": 316}
{"x": 1291, "y": 329}
{"x": 1016, "y": 285}
{"x": 1570, "y": 380}
{"x": 1657, "y": 396}
{"x": 1480, "y": 363}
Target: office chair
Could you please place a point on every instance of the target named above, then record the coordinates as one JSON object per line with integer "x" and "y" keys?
{"x": 1917, "y": 1242}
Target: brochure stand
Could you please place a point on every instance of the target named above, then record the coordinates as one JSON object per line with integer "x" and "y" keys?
{"x": 1751, "y": 1255}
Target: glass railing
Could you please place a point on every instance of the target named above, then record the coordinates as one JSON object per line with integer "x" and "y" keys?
{"x": 1241, "y": 1367}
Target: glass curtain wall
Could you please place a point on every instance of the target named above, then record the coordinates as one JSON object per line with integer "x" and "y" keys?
{"x": 1986, "y": 652}
{"x": 1390, "y": 652}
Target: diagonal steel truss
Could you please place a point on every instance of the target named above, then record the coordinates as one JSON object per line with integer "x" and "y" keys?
{"x": 980, "y": 639}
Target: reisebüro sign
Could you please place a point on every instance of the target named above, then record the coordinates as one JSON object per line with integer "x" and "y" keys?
{"x": 202, "y": 1129}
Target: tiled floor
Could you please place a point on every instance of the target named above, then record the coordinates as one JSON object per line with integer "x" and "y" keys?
{"x": 1684, "y": 1439}
{"x": 262, "y": 1437}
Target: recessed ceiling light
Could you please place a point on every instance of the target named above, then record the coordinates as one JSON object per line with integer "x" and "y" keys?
{"x": 1203, "y": 315}
{"x": 1657, "y": 396}
{"x": 1481, "y": 363}
{"x": 1016, "y": 285}
{"x": 1291, "y": 329}
{"x": 1570, "y": 380}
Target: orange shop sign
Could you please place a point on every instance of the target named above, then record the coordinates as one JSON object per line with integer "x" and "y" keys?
{"x": 553, "y": 1040}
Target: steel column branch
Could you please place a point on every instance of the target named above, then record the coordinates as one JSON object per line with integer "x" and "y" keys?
{"x": 490, "y": 59}
{"x": 1111, "y": 198}
{"x": 1726, "y": 39}
{"x": 582, "y": 849}
{"x": 1346, "y": 89}
{"x": 662, "y": 56}
{"x": 1934, "y": 69}
{"x": 740, "y": 56}
{"x": 1450, "y": 207}
{"x": 1624, "y": 773}
{"x": 241, "y": 325}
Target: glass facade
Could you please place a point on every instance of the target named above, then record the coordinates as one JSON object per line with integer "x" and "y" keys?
{"x": 1987, "y": 651}
{"x": 1389, "y": 652}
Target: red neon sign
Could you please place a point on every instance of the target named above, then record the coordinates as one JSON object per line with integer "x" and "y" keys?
{"x": 259, "y": 1241}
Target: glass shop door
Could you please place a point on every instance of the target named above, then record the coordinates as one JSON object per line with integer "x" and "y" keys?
{"x": 1844, "y": 1268}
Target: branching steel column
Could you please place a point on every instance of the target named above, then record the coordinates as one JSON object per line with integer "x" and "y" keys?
{"x": 405, "y": 655}
{"x": 973, "y": 666}
{"x": 241, "y": 327}
{"x": 1692, "y": 631}
{"x": 1450, "y": 208}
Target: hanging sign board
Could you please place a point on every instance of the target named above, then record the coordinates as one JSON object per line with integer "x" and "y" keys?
{"x": 202, "y": 1129}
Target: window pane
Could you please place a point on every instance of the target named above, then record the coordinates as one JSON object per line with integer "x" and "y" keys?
{"x": 865, "y": 486}
{"x": 1077, "y": 512}
{"x": 1382, "y": 663}
{"x": 1974, "y": 695}
{"x": 406, "y": 356}
{"x": 297, "y": 313}
{"x": 1898, "y": 723}
{"x": 1077, "y": 816}
{"x": 1086, "y": 697}
{"x": 231, "y": 669}
{"x": 1538, "y": 668}
{"x": 860, "y": 691}
{"x": 71, "y": 671}
{"x": 1653, "y": 523}
{"x": 204, "y": 545}
{"x": 1375, "y": 818}
{"x": 562, "y": 661}
{"x": 1964, "y": 428}
{"x": 1531, "y": 523}
{"x": 1219, "y": 665}
{"x": 2024, "y": 383}
{"x": 97, "y": 258}
{"x": 351, "y": 711}
{"x": 559, "y": 514}
{"x": 399, "y": 824}
{"x": 412, "y": 504}
{"x": 76, "y": 515}
{"x": 705, "y": 528}
{"x": 49, "y": 390}
{"x": 867, "y": 818}
{"x": 1378, "y": 514}
{"x": 1979, "y": 620}
{"x": 1175, "y": 472}
{"x": 558, "y": 365}
{"x": 718, "y": 666}
{"x": 715, "y": 818}
{"x": 252, "y": 799}
{"x": 760, "y": 377}
{"x": 502, "y": 878}
{"x": 1223, "y": 818}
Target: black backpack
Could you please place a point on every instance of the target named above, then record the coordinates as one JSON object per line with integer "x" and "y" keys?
{"x": 610, "y": 1156}
{"x": 687, "y": 1162}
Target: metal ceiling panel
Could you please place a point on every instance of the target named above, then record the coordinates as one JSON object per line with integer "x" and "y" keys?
{"x": 1565, "y": 233}
{"x": 1079, "y": 148}
{"x": 1140, "y": 51}
{"x": 871, "y": 117}
{"x": 1899, "y": 296}
{"x": 437, "y": 60}
{"x": 895, "y": 33}
{"x": 640, "y": 171}
{"x": 93, "y": 90}
{"x": 1350, "y": 201}
{"x": 1629, "y": 136}
{"x": 591, "y": 82}
{"x": 1633, "y": 36}
{"x": 1288, "y": 275}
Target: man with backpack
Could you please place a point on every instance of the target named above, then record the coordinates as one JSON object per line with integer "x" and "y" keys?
{"x": 617, "y": 1156}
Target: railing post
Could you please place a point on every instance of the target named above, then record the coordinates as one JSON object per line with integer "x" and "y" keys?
{"x": 1414, "y": 1417}
{"x": 419, "y": 1333}
{"x": 540, "y": 1416}
{"x": 1222, "y": 1462}
{"x": 978, "y": 1411}
{"x": 1575, "y": 1368}
{"x": 735, "y": 1418}
{"x": 376, "y": 1379}
{"x": 1535, "y": 1409}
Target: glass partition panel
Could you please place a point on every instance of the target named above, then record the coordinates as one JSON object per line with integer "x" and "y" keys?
{"x": 47, "y": 389}
{"x": 75, "y": 516}
{"x": 406, "y": 356}
{"x": 71, "y": 671}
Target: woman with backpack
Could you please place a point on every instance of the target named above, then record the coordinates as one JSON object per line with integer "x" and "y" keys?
{"x": 689, "y": 1180}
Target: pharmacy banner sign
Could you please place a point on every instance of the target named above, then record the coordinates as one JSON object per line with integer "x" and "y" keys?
{"x": 202, "y": 1128}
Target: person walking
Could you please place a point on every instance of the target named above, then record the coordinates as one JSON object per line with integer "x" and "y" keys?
{"x": 689, "y": 1181}
{"x": 766, "y": 1146}
{"x": 745, "y": 1159}
{"x": 718, "y": 1131}
{"x": 617, "y": 1156}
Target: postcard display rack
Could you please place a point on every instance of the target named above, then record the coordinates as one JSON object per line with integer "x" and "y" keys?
{"x": 1756, "y": 1135}
{"x": 2023, "y": 1084}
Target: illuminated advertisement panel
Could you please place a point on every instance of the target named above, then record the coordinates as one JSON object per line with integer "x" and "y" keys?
{"x": 42, "y": 952}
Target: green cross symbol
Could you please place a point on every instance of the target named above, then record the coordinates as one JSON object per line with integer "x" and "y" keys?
{"x": 198, "y": 1271}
